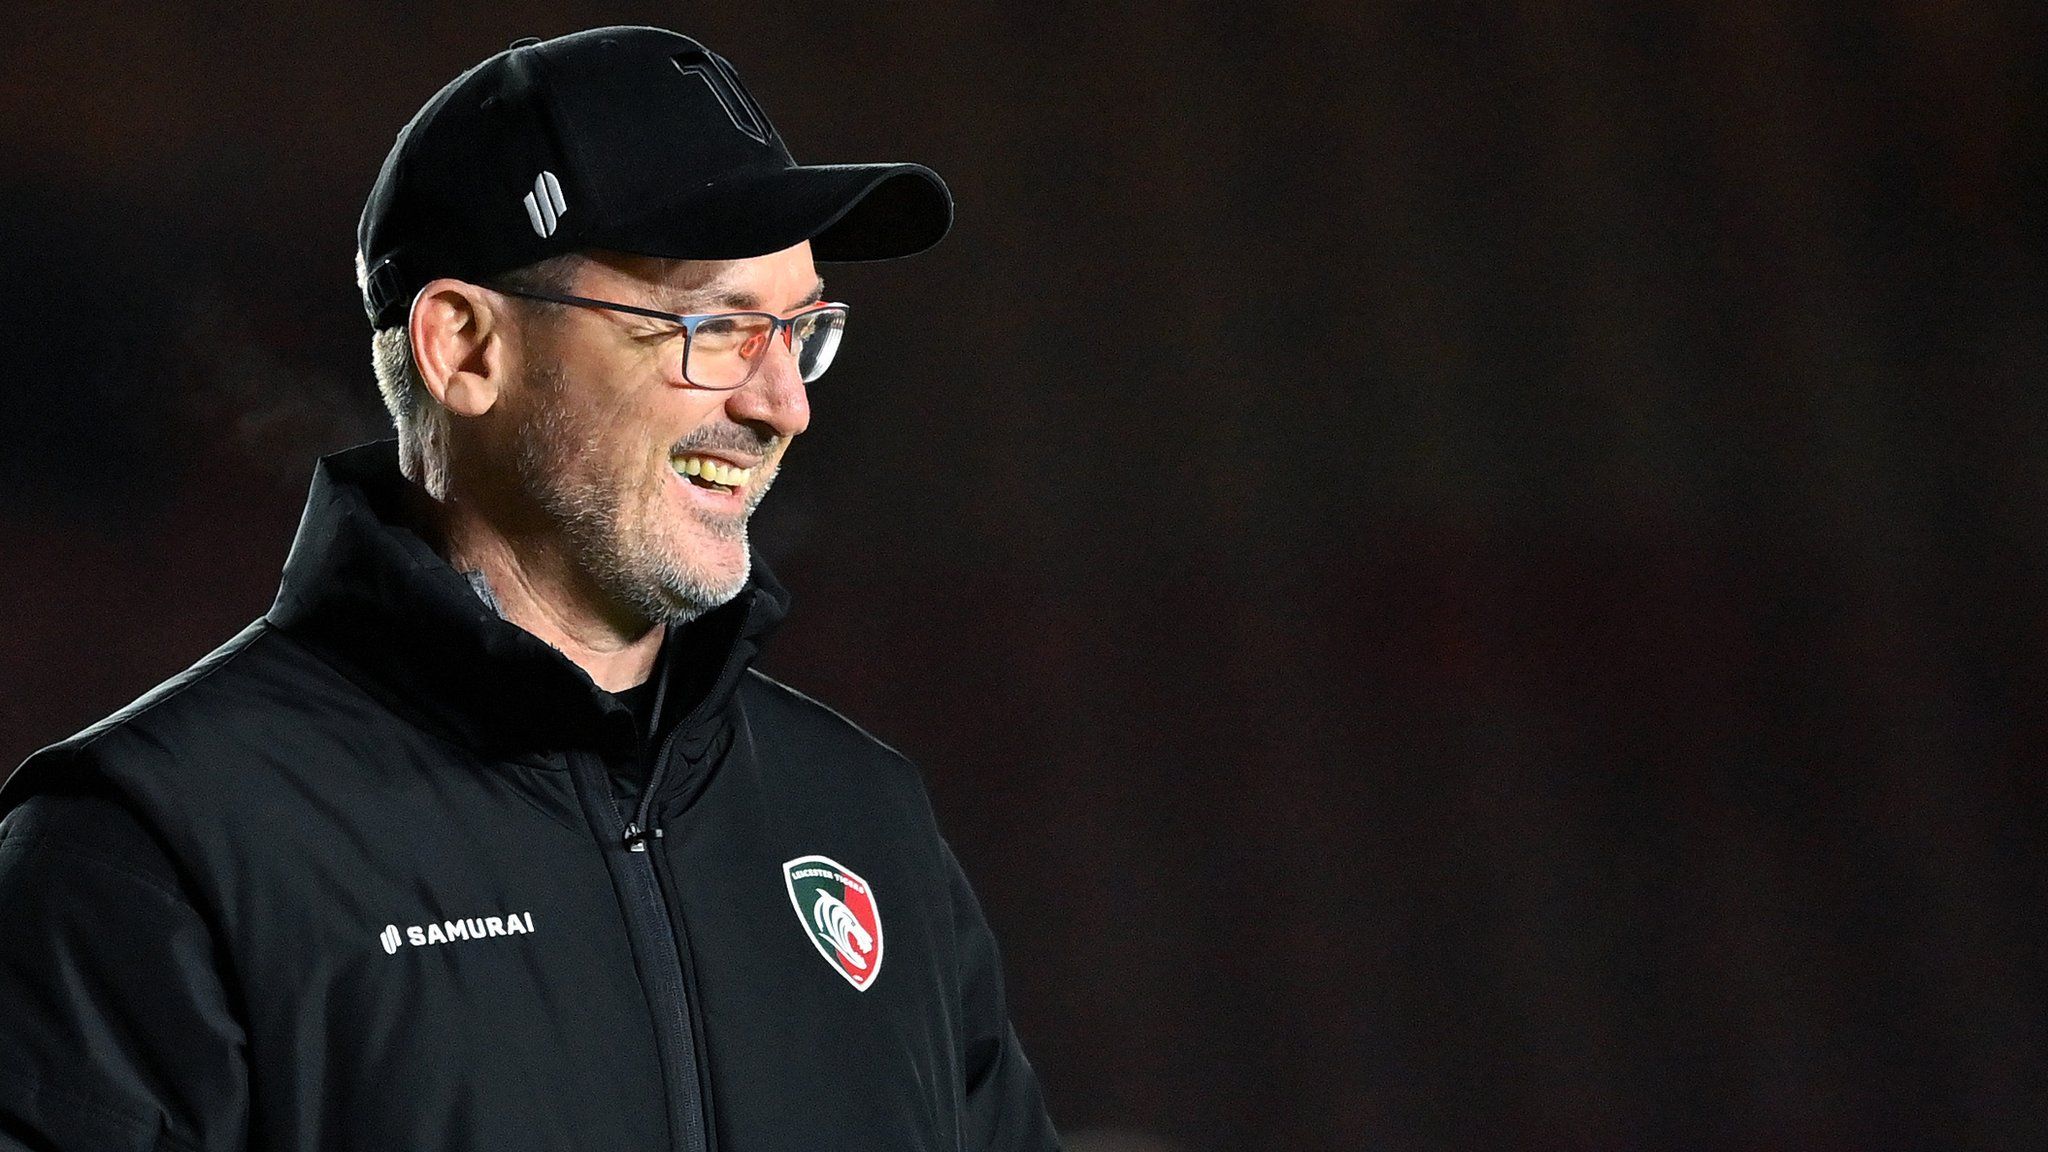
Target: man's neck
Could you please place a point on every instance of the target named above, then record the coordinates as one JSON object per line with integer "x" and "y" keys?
{"x": 540, "y": 590}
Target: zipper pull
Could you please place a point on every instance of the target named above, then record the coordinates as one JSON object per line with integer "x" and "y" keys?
{"x": 636, "y": 838}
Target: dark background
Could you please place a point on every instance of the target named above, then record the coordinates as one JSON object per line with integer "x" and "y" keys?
{"x": 1463, "y": 576}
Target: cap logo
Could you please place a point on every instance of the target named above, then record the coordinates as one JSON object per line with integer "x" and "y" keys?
{"x": 718, "y": 76}
{"x": 544, "y": 205}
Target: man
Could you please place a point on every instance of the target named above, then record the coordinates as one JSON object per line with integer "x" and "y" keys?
{"x": 486, "y": 835}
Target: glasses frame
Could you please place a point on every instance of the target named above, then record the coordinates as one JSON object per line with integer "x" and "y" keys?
{"x": 784, "y": 326}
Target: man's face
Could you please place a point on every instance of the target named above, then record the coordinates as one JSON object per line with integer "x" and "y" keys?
{"x": 607, "y": 429}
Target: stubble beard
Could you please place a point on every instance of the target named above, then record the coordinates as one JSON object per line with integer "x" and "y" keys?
{"x": 618, "y": 534}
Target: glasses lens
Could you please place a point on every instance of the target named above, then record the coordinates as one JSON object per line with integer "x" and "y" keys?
{"x": 724, "y": 350}
{"x": 817, "y": 340}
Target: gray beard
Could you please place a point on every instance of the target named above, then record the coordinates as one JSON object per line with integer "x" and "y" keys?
{"x": 638, "y": 577}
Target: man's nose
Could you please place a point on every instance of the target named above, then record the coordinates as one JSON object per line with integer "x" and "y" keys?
{"x": 776, "y": 396}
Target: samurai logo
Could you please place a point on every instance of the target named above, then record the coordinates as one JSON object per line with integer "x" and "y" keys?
{"x": 449, "y": 931}
{"x": 838, "y": 910}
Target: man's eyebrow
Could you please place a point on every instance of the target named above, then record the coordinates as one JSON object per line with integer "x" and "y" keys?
{"x": 704, "y": 300}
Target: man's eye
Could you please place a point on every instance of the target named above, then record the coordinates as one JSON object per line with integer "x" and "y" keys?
{"x": 727, "y": 332}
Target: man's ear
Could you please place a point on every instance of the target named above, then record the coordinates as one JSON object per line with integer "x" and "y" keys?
{"x": 458, "y": 342}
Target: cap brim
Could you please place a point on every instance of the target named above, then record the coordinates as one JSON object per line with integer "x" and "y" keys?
{"x": 847, "y": 212}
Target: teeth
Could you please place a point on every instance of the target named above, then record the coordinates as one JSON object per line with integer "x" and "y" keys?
{"x": 712, "y": 470}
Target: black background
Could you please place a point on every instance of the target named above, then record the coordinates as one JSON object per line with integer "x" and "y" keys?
{"x": 1462, "y": 575}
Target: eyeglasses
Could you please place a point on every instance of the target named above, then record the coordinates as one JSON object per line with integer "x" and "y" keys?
{"x": 723, "y": 350}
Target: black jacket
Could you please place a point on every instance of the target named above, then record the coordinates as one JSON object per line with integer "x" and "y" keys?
{"x": 361, "y": 879}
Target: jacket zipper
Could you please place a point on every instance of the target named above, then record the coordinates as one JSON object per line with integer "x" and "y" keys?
{"x": 652, "y": 926}
{"x": 647, "y": 920}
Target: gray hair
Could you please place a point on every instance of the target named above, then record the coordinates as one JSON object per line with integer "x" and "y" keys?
{"x": 419, "y": 418}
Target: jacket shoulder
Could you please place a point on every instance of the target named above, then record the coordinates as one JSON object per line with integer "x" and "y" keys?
{"x": 806, "y": 718}
{"x": 236, "y": 699}
{"x": 819, "y": 747}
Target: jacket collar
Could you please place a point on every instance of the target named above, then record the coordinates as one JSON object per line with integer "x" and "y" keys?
{"x": 363, "y": 589}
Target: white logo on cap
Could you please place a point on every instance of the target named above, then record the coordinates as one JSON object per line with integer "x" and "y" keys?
{"x": 544, "y": 205}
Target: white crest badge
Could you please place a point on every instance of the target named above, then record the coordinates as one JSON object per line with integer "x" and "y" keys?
{"x": 839, "y": 914}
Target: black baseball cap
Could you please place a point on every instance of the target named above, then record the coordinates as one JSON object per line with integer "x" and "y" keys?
{"x": 631, "y": 139}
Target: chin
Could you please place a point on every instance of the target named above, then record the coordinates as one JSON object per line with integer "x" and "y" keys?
{"x": 693, "y": 583}
{"x": 719, "y": 563}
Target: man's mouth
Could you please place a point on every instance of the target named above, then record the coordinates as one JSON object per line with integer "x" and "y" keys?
{"x": 707, "y": 472}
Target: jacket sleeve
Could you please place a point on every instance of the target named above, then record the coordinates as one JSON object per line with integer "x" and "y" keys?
{"x": 115, "y": 1030}
{"x": 1005, "y": 1110}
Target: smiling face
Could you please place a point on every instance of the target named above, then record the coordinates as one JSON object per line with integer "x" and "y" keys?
{"x": 644, "y": 481}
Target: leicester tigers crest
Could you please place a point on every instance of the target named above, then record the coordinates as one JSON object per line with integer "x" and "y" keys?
{"x": 838, "y": 910}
